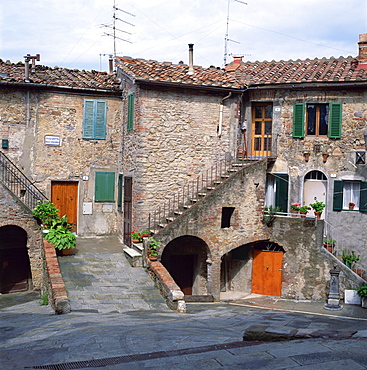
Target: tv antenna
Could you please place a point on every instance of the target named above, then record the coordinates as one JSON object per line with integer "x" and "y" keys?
{"x": 226, "y": 38}
{"x": 114, "y": 29}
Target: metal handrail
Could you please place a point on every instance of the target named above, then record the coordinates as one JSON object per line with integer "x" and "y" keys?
{"x": 19, "y": 184}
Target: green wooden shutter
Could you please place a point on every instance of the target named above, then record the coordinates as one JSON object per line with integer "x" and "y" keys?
{"x": 299, "y": 120}
{"x": 281, "y": 192}
{"x": 338, "y": 195}
{"x": 335, "y": 123}
{"x": 363, "y": 197}
{"x": 104, "y": 187}
{"x": 100, "y": 120}
{"x": 119, "y": 195}
{"x": 130, "y": 112}
{"x": 88, "y": 119}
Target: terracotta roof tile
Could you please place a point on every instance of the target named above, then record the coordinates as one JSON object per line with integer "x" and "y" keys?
{"x": 150, "y": 70}
{"x": 63, "y": 77}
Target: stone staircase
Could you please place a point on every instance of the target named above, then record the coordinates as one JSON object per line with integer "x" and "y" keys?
{"x": 195, "y": 191}
{"x": 134, "y": 254}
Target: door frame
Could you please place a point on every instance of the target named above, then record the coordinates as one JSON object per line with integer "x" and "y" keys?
{"x": 127, "y": 204}
{"x": 265, "y": 139}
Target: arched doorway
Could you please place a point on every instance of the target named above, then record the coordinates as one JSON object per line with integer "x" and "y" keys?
{"x": 15, "y": 272}
{"x": 315, "y": 188}
{"x": 185, "y": 260}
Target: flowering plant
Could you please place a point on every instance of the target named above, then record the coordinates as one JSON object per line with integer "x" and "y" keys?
{"x": 304, "y": 209}
{"x": 351, "y": 204}
{"x": 295, "y": 206}
{"x": 135, "y": 235}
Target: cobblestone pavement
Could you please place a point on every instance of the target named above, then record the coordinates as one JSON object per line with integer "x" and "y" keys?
{"x": 119, "y": 335}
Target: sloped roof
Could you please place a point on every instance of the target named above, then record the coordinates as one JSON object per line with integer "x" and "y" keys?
{"x": 153, "y": 71}
{"x": 62, "y": 77}
{"x": 315, "y": 70}
{"x": 241, "y": 74}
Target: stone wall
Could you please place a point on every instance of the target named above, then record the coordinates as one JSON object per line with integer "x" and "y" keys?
{"x": 13, "y": 213}
{"x": 28, "y": 116}
{"x": 340, "y": 155}
{"x": 175, "y": 137}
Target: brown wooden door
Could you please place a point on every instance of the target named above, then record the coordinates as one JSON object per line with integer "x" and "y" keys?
{"x": 128, "y": 191}
{"x": 267, "y": 273}
{"x": 182, "y": 271}
{"x": 262, "y": 122}
{"x": 64, "y": 195}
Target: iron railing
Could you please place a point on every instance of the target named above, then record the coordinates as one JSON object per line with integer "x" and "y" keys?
{"x": 194, "y": 191}
{"x": 18, "y": 184}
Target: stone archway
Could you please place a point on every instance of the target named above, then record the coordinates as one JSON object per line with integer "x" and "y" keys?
{"x": 15, "y": 271}
{"x": 185, "y": 258}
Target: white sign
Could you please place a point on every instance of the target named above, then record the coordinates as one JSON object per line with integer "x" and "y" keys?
{"x": 52, "y": 140}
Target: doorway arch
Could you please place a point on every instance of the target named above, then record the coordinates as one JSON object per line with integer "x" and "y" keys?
{"x": 185, "y": 259}
{"x": 15, "y": 271}
{"x": 315, "y": 185}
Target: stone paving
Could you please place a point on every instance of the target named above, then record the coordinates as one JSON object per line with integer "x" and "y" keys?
{"x": 113, "y": 336}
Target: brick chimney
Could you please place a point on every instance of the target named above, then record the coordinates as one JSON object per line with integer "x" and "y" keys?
{"x": 362, "y": 56}
{"x": 237, "y": 59}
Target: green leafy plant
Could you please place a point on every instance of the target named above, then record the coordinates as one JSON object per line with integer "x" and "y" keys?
{"x": 330, "y": 241}
{"x": 153, "y": 247}
{"x": 46, "y": 212}
{"x": 135, "y": 235}
{"x": 144, "y": 232}
{"x": 61, "y": 238}
{"x": 362, "y": 291}
{"x": 44, "y": 299}
{"x": 304, "y": 209}
{"x": 350, "y": 259}
{"x": 318, "y": 206}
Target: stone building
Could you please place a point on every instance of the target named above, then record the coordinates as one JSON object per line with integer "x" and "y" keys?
{"x": 61, "y": 129}
{"x": 306, "y": 118}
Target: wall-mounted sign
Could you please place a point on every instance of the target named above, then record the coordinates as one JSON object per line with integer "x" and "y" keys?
{"x": 52, "y": 140}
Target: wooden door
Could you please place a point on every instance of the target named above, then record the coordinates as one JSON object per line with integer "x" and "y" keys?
{"x": 267, "y": 273}
{"x": 64, "y": 195}
{"x": 128, "y": 191}
{"x": 262, "y": 122}
{"x": 182, "y": 271}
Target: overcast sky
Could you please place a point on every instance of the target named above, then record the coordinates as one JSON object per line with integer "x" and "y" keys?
{"x": 70, "y": 33}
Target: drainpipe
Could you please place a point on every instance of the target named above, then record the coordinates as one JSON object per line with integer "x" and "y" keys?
{"x": 219, "y": 129}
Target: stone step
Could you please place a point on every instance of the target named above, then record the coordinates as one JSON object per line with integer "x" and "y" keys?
{"x": 138, "y": 247}
{"x": 135, "y": 258}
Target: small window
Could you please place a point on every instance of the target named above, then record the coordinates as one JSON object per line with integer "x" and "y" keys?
{"x": 104, "y": 187}
{"x": 360, "y": 157}
{"x": 226, "y": 216}
{"x": 315, "y": 119}
{"x": 94, "y": 119}
{"x": 351, "y": 191}
{"x": 315, "y": 175}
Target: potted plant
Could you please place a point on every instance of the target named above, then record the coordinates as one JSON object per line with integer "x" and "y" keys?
{"x": 329, "y": 244}
{"x": 295, "y": 209}
{"x": 46, "y": 213}
{"x": 351, "y": 206}
{"x": 136, "y": 237}
{"x": 269, "y": 215}
{"x": 153, "y": 249}
{"x": 318, "y": 207}
{"x": 60, "y": 235}
{"x": 303, "y": 211}
{"x": 362, "y": 292}
{"x": 350, "y": 259}
{"x": 144, "y": 233}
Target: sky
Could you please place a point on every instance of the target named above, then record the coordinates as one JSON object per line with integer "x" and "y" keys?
{"x": 72, "y": 33}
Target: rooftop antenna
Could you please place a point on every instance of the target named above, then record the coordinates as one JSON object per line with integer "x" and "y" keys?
{"x": 114, "y": 29}
{"x": 226, "y": 38}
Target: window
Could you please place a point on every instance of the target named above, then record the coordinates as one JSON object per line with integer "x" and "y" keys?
{"x": 226, "y": 216}
{"x": 104, "y": 187}
{"x": 317, "y": 120}
{"x": 119, "y": 194}
{"x": 130, "y": 112}
{"x": 94, "y": 119}
{"x": 277, "y": 191}
{"x": 347, "y": 191}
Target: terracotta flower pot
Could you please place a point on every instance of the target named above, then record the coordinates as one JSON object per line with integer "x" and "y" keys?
{"x": 351, "y": 208}
{"x": 294, "y": 213}
{"x": 136, "y": 240}
{"x": 303, "y": 214}
{"x": 318, "y": 215}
